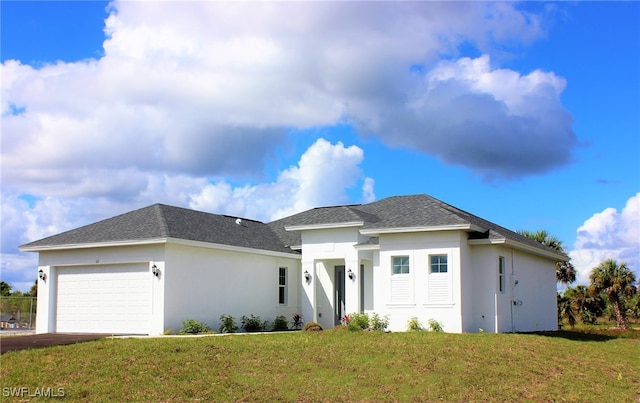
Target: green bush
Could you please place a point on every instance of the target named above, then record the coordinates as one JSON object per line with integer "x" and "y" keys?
{"x": 358, "y": 321}
{"x": 192, "y": 326}
{"x": 280, "y": 324}
{"x": 435, "y": 326}
{"x": 253, "y": 324}
{"x": 312, "y": 327}
{"x": 379, "y": 323}
{"x": 414, "y": 325}
{"x": 228, "y": 324}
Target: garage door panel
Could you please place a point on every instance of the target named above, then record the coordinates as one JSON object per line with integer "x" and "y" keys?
{"x": 103, "y": 299}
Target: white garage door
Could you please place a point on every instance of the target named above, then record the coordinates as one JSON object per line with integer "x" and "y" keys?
{"x": 103, "y": 299}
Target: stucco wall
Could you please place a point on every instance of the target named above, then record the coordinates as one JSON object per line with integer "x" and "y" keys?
{"x": 528, "y": 302}
{"x": 204, "y": 283}
{"x": 418, "y": 303}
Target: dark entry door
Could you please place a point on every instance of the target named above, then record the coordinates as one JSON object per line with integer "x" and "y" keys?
{"x": 338, "y": 299}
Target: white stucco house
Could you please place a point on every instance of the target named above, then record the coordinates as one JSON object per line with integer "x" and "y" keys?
{"x": 407, "y": 256}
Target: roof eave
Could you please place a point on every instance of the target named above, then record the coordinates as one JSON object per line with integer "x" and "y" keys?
{"x": 348, "y": 224}
{"x": 155, "y": 241}
{"x": 432, "y": 228}
{"x": 540, "y": 251}
{"x": 367, "y": 247}
{"x": 44, "y": 248}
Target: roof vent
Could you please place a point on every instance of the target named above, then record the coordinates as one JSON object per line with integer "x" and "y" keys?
{"x": 239, "y": 221}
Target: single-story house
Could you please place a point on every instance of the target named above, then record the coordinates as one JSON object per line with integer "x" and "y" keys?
{"x": 148, "y": 270}
{"x": 8, "y": 322}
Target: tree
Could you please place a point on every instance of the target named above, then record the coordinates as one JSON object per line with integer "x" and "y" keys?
{"x": 5, "y": 289}
{"x": 565, "y": 311}
{"x": 585, "y": 306}
{"x": 616, "y": 281}
{"x": 33, "y": 292}
{"x": 565, "y": 272}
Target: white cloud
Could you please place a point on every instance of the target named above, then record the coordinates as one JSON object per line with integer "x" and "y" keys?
{"x": 609, "y": 234}
{"x": 322, "y": 176}
{"x": 512, "y": 125}
{"x": 368, "y": 194}
{"x": 211, "y": 89}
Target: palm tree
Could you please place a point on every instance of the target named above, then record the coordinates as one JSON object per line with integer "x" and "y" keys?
{"x": 565, "y": 272}
{"x": 616, "y": 281}
{"x": 586, "y": 307}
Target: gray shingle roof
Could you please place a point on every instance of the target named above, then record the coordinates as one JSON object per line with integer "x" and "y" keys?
{"x": 399, "y": 212}
{"x": 162, "y": 221}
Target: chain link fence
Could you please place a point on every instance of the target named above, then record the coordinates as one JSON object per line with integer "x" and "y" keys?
{"x": 18, "y": 312}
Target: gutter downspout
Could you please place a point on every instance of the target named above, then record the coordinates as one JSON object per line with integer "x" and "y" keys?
{"x": 513, "y": 292}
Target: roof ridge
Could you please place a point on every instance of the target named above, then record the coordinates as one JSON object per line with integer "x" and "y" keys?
{"x": 162, "y": 222}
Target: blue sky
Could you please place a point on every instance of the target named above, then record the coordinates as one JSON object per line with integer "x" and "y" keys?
{"x": 526, "y": 114}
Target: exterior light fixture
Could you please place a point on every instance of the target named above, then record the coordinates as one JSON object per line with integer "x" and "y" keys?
{"x": 42, "y": 275}
{"x": 350, "y": 274}
{"x": 307, "y": 276}
{"x": 155, "y": 270}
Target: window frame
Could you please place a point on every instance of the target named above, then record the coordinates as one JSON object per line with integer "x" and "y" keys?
{"x": 501, "y": 274}
{"x": 282, "y": 285}
{"x": 402, "y": 265}
{"x": 439, "y": 263}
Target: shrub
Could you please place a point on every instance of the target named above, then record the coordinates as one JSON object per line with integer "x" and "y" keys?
{"x": 192, "y": 326}
{"x": 253, "y": 324}
{"x": 312, "y": 327}
{"x": 168, "y": 331}
{"x": 228, "y": 324}
{"x": 379, "y": 323}
{"x": 414, "y": 325}
{"x": 435, "y": 326}
{"x": 296, "y": 322}
{"x": 358, "y": 321}
{"x": 280, "y": 324}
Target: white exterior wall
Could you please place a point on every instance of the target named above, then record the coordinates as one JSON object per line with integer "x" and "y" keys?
{"x": 418, "y": 303}
{"x": 50, "y": 261}
{"x": 204, "y": 283}
{"x": 490, "y": 310}
{"x": 534, "y": 290}
{"x": 528, "y": 302}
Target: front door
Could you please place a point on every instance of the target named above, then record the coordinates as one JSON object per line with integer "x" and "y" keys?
{"x": 338, "y": 299}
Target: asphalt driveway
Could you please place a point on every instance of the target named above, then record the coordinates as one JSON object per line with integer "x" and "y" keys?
{"x": 15, "y": 343}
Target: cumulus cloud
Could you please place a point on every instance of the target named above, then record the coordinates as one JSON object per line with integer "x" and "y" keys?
{"x": 212, "y": 89}
{"x": 609, "y": 234}
{"x": 322, "y": 176}
{"x": 498, "y": 122}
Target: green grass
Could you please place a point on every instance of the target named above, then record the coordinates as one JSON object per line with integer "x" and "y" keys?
{"x": 339, "y": 366}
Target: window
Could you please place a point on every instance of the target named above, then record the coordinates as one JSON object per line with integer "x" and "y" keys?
{"x": 282, "y": 285}
{"x": 501, "y": 274}
{"x": 438, "y": 263}
{"x": 401, "y": 265}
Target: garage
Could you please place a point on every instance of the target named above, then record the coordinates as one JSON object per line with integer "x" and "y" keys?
{"x": 113, "y": 299}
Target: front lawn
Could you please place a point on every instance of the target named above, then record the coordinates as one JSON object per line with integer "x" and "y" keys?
{"x": 336, "y": 366}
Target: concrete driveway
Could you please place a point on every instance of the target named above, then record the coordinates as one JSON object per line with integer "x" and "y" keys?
{"x": 15, "y": 343}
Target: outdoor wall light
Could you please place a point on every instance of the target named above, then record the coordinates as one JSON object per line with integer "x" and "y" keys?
{"x": 155, "y": 270}
{"x": 350, "y": 274}
{"x": 307, "y": 276}
{"x": 42, "y": 275}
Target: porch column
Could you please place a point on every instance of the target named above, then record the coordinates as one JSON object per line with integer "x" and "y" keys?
{"x": 308, "y": 295}
{"x": 352, "y": 284}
